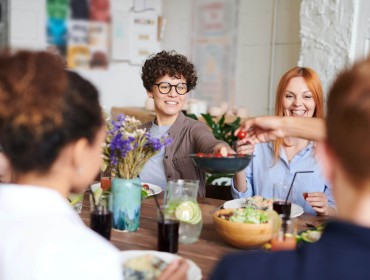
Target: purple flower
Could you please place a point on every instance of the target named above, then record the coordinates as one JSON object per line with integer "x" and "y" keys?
{"x": 121, "y": 118}
{"x": 167, "y": 140}
{"x": 127, "y": 148}
{"x": 154, "y": 143}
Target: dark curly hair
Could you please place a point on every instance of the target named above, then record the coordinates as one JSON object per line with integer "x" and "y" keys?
{"x": 168, "y": 63}
{"x": 43, "y": 108}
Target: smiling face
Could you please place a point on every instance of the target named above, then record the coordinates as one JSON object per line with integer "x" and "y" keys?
{"x": 167, "y": 106}
{"x": 298, "y": 99}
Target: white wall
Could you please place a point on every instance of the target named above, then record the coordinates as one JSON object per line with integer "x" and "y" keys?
{"x": 177, "y": 35}
{"x": 260, "y": 62}
{"x": 333, "y": 35}
{"x": 362, "y": 33}
{"x": 268, "y": 44}
{"x": 326, "y": 33}
{"x": 27, "y": 27}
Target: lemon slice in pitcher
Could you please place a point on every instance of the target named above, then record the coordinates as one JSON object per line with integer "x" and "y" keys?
{"x": 188, "y": 212}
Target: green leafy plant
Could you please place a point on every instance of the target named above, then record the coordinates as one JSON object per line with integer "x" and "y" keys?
{"x": 224, "y": 131}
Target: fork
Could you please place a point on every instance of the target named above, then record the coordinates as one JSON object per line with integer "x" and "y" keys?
{"x": 215, "y": 209}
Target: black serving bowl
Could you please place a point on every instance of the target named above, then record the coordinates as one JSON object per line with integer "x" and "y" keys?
{"x": 229, "y": 164}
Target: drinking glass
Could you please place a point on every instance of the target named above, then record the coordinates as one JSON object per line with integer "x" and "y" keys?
{"x": 285, "y": 238}
{"x": 168, "y": 230}
{"x": 76, "y": 201}
{"x": 282, "y": 199}
{"x": 182, "y": 196}
{"x": 106, "y": 177}
{"x": 100, "y": 214}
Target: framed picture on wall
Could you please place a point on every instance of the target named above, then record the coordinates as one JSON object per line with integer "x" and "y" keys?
{"x": 214, "y": 49}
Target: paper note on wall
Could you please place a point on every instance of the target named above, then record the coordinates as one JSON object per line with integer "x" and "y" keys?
{"x": 143, "y": 36}
{"x": 120, "y": 35}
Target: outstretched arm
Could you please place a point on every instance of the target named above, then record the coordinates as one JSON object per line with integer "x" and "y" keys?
{"x": 268, "y": 128}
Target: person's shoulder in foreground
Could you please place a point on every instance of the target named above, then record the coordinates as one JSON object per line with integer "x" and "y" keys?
{"x": 329, "y": 258}
{"x": 51, "y": 236}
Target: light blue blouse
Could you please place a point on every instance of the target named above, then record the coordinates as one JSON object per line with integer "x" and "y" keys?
{"x": 262, "y": 173}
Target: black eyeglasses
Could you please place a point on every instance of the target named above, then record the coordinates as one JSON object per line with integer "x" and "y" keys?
{"x": 164, "y": 88}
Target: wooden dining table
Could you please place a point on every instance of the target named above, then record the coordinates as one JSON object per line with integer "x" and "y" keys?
{"x": 206, "y": 252}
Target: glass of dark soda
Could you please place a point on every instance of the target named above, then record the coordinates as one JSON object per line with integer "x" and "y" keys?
{"x": 282, "y": 195}
{"x": 282, "y": 207}
{"x": 168, "y": 230}
{"x": 100, "y": 214}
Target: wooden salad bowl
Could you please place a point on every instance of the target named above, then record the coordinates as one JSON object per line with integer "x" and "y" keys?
{"x": 242, "y": 235}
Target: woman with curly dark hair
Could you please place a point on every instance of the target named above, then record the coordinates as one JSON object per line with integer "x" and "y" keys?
{"x": 167, "y": 78}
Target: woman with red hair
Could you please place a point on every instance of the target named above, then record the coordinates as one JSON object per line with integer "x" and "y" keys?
{"x": 299, "y": 94}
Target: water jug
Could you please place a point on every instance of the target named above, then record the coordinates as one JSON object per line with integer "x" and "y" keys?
{"x": 181, "y": 196}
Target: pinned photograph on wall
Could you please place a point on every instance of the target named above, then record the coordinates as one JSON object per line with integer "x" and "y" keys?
{"x": 78, "y": 54}
{"x": 143, "y": 36}
{"x": 99, "y": 33}
{"x": 98, "y": 44}
{"x": 99, "y": 10}
{"x": 214, "y": 41}
{"x": 79, "y": 9}
{"x": 56, "y": 26}
{"x": 78, "y": 31}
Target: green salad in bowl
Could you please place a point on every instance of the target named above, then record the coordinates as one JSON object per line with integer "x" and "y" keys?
{"x": 249, "y": 215}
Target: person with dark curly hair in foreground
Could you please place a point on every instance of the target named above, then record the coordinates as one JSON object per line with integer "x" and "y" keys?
{"x": 168, "y": 77}
{"x": 52, "y": 129}
{"x": 343, "y": 251}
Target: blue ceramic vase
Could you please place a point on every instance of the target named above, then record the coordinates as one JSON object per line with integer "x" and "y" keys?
{"x": 126, "y": 204}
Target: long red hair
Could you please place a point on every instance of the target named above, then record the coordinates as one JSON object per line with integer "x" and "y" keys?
{"x": 313, "y": 83}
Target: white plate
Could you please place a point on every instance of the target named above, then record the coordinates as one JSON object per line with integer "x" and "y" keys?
{"x": 240, "y": 202}
{"x": 156, "y": 189}
{"x": 194, "y": 272}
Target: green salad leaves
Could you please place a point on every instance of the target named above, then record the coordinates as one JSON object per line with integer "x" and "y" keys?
{"x": 250, "y": 216}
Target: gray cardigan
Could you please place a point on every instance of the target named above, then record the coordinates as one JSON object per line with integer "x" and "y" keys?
{"x": 189, "y": 137}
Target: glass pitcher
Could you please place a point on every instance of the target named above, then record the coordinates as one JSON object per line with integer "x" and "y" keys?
{"x": 181, "y": 196}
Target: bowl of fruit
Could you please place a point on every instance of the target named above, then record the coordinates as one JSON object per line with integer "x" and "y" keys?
{"x": 246, "y": 227}
{"x": 216, "y": 163}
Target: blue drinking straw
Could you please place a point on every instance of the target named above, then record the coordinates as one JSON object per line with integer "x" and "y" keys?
{"x": 285, "y": 218}
{"x": 291, "y": 185}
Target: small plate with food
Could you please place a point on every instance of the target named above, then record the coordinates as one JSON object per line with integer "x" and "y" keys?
{"x": 145, "y": 264}
{"x": 146, "y": 190}
{"x": 311, "y": 235}
{"x": 260, "y": 203}
{"x": 151, "y": 188}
